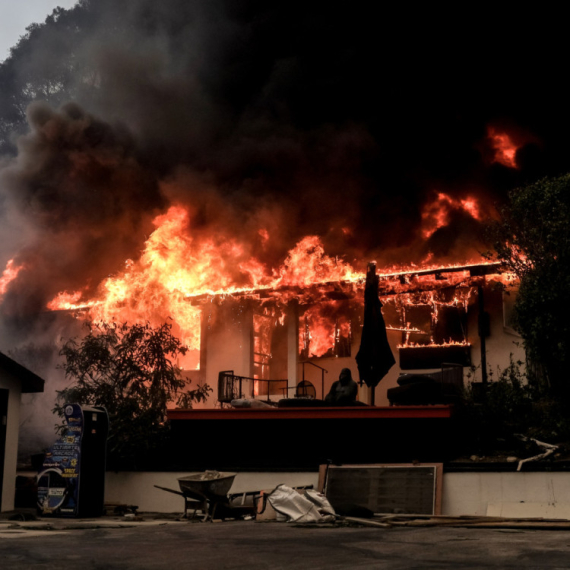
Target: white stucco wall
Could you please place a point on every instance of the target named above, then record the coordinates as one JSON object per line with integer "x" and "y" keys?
{"x": 133, "y": 488}
{"x": 11, "y": 457}
{"x": 228, "y": 347}
{"x": 500, "y": 344}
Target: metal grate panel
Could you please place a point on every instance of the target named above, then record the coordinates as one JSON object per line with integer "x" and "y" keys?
{"x": 384, "y": 489}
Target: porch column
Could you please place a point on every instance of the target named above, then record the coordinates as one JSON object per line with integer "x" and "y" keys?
{"x": 292, "y": 346}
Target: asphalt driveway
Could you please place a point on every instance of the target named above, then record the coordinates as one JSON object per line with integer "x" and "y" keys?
{"x": 249, "y": 545}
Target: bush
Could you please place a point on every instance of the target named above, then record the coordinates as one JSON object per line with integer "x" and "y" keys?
{"x": 129, "y": 370}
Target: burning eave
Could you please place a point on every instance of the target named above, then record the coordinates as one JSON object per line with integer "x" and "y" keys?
{"x": 393, "y": 283}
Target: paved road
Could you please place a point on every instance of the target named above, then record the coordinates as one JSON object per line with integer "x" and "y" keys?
{"x": 252, "y": 546}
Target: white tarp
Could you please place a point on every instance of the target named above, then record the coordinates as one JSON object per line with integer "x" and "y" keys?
{"x": 304, "y": 506}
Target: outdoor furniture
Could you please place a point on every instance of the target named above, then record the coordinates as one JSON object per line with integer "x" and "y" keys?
{"x": 441, "y": 387}
{"x": 234, "y": 387}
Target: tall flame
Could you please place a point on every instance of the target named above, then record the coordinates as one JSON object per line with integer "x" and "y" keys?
{"x": 175, "y": 266}
{"x": 8, "y": 275}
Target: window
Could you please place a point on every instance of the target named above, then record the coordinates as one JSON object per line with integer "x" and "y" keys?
{"x": 325, "y": 330}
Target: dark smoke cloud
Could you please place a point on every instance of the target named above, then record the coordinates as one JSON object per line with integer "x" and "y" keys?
{"x": 84, "y": 199}
{"x": 332, "y": 121}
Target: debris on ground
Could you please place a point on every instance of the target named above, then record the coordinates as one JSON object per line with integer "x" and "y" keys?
{"x": 548, "y": 447}
{"x": 120, "y": 509}
{"x": 414, "y": 521}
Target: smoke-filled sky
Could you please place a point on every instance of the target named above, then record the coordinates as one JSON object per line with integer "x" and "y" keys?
{"x": 390, "y": 131}
{"x": 283, "y": 116}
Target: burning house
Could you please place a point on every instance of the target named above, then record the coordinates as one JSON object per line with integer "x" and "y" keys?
{"x": 299, "y": 324}
{"x": 187, "y": 169}
{"x": 284, "y": 335}
{"x": 270, "y": 332}
{"x": 284, "y": 338}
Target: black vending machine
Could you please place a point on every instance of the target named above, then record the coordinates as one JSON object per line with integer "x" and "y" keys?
{"x": 71, "y": 482}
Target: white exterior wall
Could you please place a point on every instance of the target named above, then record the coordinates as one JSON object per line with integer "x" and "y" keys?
{"x": 227, "y": 348}
{"x": 11, "y": 457}
{"x": 500, "y": 344}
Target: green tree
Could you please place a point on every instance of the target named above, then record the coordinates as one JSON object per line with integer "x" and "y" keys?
{"x": 129, "y": 370}
{"x": 533, "y": 239}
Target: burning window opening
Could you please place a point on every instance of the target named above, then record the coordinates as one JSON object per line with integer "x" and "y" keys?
{"x": 269, "y": 351}
{"x": 435, "y": 318}
{"x": 325, "y": 330}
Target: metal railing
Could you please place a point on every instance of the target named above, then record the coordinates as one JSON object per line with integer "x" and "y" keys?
{"x": 233, "y": 387}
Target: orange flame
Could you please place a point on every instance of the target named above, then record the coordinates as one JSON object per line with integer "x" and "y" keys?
{"x": 433, "y": 345}
{"x": 324, "y": 328}
{"x": 175, "y": 266}
{"x": 436, "y": 213}
{"x": 504, "y": 147}
{"x": 8, "y": 275}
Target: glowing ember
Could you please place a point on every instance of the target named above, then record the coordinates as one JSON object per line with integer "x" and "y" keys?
{"x": 433, "y": 345}
{"x": 406, "y": 330}
{"x": 504, "y": 147}
{"x": 436, "y": 214}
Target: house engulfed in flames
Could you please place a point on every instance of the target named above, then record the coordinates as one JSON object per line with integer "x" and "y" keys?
{"x": 447, "y": 315}
{"x": 302, "y": 321}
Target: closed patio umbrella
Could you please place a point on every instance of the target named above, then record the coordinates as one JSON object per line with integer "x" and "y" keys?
{"x": 374, "y": 357}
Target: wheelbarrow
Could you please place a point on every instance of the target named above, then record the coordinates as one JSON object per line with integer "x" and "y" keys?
{"x": 204, "y": 491}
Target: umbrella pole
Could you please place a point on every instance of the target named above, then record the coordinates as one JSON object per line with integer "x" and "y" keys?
{"x": 371, "y": 282}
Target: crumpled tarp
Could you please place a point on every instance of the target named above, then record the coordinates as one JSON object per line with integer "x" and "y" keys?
{"x": 308, "y": 506}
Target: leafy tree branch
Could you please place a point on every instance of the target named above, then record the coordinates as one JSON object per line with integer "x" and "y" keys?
{"x": 131, "y": 371}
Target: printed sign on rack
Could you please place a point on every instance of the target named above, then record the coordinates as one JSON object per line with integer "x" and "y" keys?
{"x": 58, "y": 481}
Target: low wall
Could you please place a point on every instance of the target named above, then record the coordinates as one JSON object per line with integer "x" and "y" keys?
{"x": 499, "y": 494}
{"x": 134, "y": 488}
{"x": 531, "y": 494}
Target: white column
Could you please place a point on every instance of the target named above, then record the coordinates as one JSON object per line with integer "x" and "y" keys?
{"x": 293, "y": 345}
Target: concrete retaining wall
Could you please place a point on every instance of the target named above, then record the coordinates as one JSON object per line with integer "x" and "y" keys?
{"x": 498, "y": 494}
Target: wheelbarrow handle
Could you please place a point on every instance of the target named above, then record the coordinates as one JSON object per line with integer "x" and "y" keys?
{"x": 169, "y": 490}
